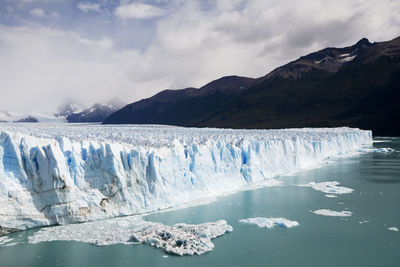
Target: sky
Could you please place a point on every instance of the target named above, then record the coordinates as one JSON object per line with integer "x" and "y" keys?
{"x": 53, "y": 51}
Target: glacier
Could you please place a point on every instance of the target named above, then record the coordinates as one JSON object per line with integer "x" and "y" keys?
{"x": 58, "y": 174}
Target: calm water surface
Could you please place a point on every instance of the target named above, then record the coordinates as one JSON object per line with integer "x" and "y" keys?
{"x": 318, "y": 241}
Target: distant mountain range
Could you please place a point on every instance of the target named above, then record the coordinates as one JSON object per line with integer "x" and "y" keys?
{"x": 182, "y": 107}
{"x": 74, "y": 112}
{"x": 6, "y": 116}
{"x": 356, "y": 86}
{"x": 67, "y": 112}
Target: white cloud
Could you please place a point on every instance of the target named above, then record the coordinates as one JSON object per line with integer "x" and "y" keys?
{"x": 40, "y": 13}
{"x": 54, "y": 15}
{"x": 37, "y": 12}
{"x": 104, "y": 42}
{"x": 41, "y": 67}
{"x": 86, "y": 7}
{"x": 138, "y": 11}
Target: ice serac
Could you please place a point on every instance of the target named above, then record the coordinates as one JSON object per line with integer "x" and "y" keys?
{"x": 67, "y": 174}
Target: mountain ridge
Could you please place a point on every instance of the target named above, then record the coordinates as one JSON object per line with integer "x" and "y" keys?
{"x": 75, "y": 112}
{"x": 328, "y": 88}
{"x": 166, "y": 106}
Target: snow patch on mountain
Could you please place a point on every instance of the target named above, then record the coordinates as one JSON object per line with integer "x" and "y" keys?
{"x": 346, "y": 58}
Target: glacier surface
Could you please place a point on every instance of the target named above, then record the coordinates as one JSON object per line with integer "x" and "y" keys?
{"x": 58, "y": 174}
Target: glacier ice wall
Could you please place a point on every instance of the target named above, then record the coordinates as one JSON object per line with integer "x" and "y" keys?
{"x": 62, "y": 174}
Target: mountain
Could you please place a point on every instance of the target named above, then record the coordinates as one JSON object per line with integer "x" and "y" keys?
{"x": 363, "y": 92}
{"x": 356, "y": 86}
{"x": 6, "y": 116}
{"x": 96, "y": 113}
{"x": 28, "y": 119}
{"x": 75, "y": 112}
{"x": 329, "y": 60}
{"x": 178, "y": 107}
{"x": 69, "y": 108}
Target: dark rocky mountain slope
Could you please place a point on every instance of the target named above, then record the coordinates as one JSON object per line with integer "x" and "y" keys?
{"x": 74, "y": 111}
{"x": 96, "y": 113}
{"x": 356, "y": 86}
{"x": 182, "y": 107}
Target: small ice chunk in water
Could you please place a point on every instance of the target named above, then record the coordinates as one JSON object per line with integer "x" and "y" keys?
{"x": 331, "y": 196}
{"x": 270, "y": 222}
{"x": 329, "y": 187}
{"x": 326, "y": 212}
{"x": 5, "y": 240}
{"x": 393, "y": 229}
{"x": 378, "y": 150}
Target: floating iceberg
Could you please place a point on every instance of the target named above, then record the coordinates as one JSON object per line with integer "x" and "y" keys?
{"x": 270, "y": 222}
{"x": 179, "y": 239}
{"x": 378, "y": 150}
{"x": 59, "y": 174}
{"x": 395, "y": 229}
{"x": 326, "y": 212}
{"x": 331, "y": 196}
{"x": 5, "y": 240}
{"x": 329, "y": 188}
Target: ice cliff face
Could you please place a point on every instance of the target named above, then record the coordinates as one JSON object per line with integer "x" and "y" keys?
{"x": 66, "y": 174}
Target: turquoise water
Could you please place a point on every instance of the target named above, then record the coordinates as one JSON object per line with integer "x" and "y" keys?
{"x": 317, "y": 241}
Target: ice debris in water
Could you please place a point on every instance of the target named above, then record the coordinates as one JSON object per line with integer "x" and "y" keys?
{"x": 179, "y": 239}
{"x": 326, "y": 212}
{"x": 5, "y": 240}
{"x": 329, "y": 187}
{"x": 270, "y": 222}
{"x": 395, "y": 229}
{"x": 378, "y": 150}
{"x": 59, "y": 174}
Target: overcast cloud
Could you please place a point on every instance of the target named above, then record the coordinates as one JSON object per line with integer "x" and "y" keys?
{"x": 97, "y": 50}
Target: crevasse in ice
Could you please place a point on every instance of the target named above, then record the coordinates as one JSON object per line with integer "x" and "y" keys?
{"x": 58, "y": 174}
